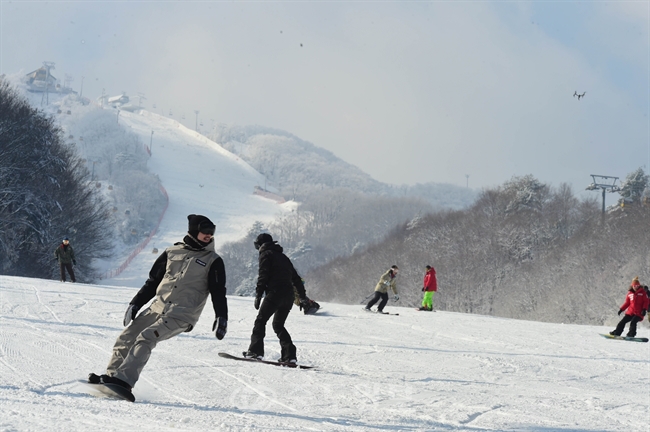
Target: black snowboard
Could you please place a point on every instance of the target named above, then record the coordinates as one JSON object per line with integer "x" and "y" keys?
{"x": 113, "y": 391}
{"x": 289, "y": 365}
{"x": 381, "y": 313}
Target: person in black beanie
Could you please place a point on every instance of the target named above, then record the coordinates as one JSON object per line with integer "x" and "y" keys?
{"x": 179, "y": 282}
{"x": 276, "y": 279}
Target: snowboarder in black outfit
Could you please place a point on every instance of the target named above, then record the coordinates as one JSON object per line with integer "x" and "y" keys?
{"x": 276, "y": 281}
{"x": 180, "y": 281}
{"x": 64, "y": 254}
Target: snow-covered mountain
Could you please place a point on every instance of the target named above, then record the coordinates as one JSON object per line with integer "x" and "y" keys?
{"x": 418, "y": 371}
{"x": 197, "y": 175}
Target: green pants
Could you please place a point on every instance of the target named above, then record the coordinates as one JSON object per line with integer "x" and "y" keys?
{"x": 427, "y": 300}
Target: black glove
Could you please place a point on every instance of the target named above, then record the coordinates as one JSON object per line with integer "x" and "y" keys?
{"x": 620, "y": 311}
{"x": 74, "y": 262}
{"x": 257, "y": 302}
{"x": 643, "y": 313}
{"x": 305, "y": 303}
{"x": 130, "y": 314}
{"x": 221, "y": 326}
{"x": 422, "y": 289}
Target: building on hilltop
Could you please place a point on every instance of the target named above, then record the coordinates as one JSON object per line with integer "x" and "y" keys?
{"x": 41, "y": 80}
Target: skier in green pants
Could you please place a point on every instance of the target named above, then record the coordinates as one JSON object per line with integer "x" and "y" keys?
{"x": 430, "y": 286}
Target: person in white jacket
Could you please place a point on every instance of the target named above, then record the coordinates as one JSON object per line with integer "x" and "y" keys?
{"x": 180, "y": 281}
{"x": 387, "y": 280}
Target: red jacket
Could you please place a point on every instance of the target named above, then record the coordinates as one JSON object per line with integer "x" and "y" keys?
{"x": 636, "y": 302}
{"x": 430, "y": 282}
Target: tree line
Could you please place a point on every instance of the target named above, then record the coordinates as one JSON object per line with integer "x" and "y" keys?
{"x": 45, "y": 194}
{"x": 523, "y": 250}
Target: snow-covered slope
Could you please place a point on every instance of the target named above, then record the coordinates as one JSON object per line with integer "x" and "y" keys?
{"x": 199, "y": 177}
{"x": 414, "y": 372}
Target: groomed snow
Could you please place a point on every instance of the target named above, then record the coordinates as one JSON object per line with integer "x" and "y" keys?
{"x": 417, "y": 371}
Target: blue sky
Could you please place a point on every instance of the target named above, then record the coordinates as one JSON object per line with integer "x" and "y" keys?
{"x": 410, "y": 92}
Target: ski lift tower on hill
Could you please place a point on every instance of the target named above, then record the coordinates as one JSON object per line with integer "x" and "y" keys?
{"x": 605, "y": 183}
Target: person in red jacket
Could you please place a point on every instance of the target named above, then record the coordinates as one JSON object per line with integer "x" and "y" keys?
{"x": 635, "y": 308}
{"x": 430, "y": 287}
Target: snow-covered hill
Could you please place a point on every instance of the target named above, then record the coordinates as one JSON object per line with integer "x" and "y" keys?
{"x": 413, "y": 372}
{"x": 199, "y": 177}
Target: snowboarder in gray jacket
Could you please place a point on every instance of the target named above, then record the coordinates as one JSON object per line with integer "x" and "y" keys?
{"x": 179, "y": 282}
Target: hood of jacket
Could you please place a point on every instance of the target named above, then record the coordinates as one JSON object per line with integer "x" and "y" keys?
{"x": 271, "y": 246}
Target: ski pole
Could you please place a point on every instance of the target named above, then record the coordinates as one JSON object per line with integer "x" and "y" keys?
{"x": 366, "y": 299}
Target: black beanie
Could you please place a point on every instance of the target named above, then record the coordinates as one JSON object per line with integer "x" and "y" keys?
{"x": 198, "y": 222}
{"x": 261, "y": 239}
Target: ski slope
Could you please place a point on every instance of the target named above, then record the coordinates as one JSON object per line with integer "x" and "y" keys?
{"x": 200, "y": 177}
{"x": 418, "y": 371}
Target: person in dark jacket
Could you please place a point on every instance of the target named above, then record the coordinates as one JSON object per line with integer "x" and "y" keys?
{"x": 64, "y": 254}
{"x": 179, "y": 282}
{"x": 276, "y": 281}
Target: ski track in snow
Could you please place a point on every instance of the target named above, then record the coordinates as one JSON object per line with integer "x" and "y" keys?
{"x": 413, "y": 372}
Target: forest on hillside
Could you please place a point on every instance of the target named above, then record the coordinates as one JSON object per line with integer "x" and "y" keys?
{"x": 301, "y": 171}
{"x": 69, "y": 169}
{"x": 332, "y": 224}
{"x": 45, "y": 194}
{"x": 523, "y": 250}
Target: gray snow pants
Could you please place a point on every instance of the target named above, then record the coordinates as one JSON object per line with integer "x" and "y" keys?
{"x": 134, "y": 345}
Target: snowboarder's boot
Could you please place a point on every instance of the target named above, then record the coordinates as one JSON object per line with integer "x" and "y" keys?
{"x": 252, "y": 355}
{"x": 94, "y": 378}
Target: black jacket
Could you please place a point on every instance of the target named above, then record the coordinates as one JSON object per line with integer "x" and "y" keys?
{"x": 276, "y": 273}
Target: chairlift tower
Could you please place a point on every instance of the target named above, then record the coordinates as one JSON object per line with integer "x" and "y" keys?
{"x": 605, "y": 183}
{"x": 47, "y": 65}
{"x": 67, "y": 80}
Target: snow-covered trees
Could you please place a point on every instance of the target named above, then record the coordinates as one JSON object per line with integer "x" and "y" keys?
{"x": 299, "y": 170}
{"x": 635, "y": 184}
{"x": 44, "y": 194}
{"x": 333, "y": 224}
{"x": 523, "y": 250}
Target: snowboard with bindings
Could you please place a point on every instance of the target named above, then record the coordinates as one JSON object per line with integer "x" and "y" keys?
{"x": 625, "y": 338}
{"x": 380, "y": 313}
{"x": 312, "y": 310}
{"x": 275, "y": 363}
{"x": 113, "y": 391}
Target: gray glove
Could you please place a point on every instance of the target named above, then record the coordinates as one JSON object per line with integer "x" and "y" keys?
{"x": 130, "y": 314}
{"x": 396, "y": 297}
{"x": 221, "y": 326}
